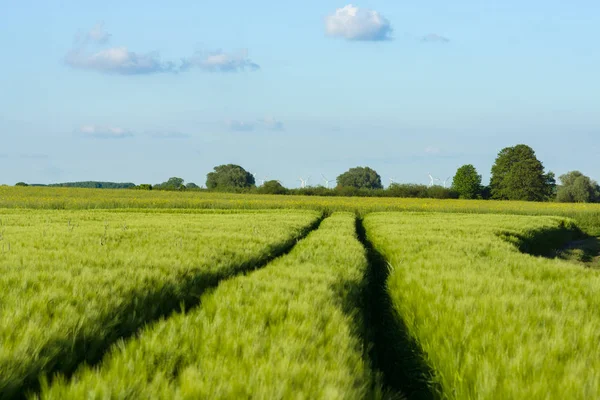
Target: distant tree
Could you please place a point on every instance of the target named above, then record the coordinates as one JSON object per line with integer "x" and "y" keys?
{"x": 467, "y": 182}
{"x": 144, "y": 186}
{"x": 192, "y": 186}
{"x": 272, "y": 187}
{"x": 173, "y": 183}
{"x": 577, "y": 188}
{"x": 517, "y": 174}
{"x": 360, "y": 178}
{"x": 21, "y": 184}
{"x": 229, "y": 176}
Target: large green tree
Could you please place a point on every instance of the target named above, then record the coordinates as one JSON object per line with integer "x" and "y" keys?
{"x": 517, "y": 174}
{"x": 467, "y": 182}
{"x": 360, "y": 178}
{"x": 577, "y": 188}
{"x": 230, "y": 176}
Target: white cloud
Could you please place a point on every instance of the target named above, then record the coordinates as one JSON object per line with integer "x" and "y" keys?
{"x": 240, "y": 126}
{"x": 219, "y": 61}
{"x": 118, "y": 60}
{"x": 106, "y": 132}
{"x": 272, "y": 124}
{"x": 353, "y": 23}
{"x": 88, "y": 53}
{"x": 434, "y": 38}
{"x": 432, "y": 150}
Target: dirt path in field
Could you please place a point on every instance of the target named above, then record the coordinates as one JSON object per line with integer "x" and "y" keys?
{"x": 395, "y": 357}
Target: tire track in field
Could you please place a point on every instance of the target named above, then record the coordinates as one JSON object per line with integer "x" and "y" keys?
{"x": 396, "y": 359}
{"x": 185, "y": 296}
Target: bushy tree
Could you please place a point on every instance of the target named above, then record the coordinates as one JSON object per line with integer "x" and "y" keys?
{"x": 192, "y": 186}
{"x": 517, "y": 174}
{"x": 21, "y": 184}
{"x": 360, "y": 178}
{"x": 577, "y": 188}
{"x": 272, "y": 187}
{"x": 173, "y": 183}
{"x": 229, "y": 176}
{"x": 467, "y": 182}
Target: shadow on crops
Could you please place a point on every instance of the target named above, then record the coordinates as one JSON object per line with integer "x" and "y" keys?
{"x": 565, "y": 241}
{"x": 65, "y": 356}
{"x": 397, "y": 360}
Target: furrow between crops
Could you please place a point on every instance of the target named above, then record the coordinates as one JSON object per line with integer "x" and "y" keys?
{"x": 393, "y": 354}
{"x": 186, "y": 294}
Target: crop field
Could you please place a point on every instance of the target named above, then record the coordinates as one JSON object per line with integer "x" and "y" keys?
{"x": 492, "y": 322}
{"x": 122, "y": 294}
{"x": 74, "y": 281}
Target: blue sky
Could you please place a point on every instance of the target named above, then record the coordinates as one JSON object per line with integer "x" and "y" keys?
{"x": 140, "y": 91}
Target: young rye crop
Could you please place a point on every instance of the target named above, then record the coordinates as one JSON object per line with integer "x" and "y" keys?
{"x": 289, "y": 330}
{"x": 494, "y": 323}
{"x": 72, "y": 282}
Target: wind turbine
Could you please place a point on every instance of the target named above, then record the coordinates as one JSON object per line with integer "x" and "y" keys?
{"x": 392, "y": 181}
{"x": 302, "y": 182}
{"x": 431, "y": 180}
{"x": 263, "y": 180}
{"x": 447, "y": 179}
{"x": 326, "y": 181}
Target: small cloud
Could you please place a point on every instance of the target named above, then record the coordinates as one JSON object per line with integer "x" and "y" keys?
{"x": 432, "y": 150}
{"x": 108, "y": 132}
{"x": 272, "y": 124}
{"x": 219, "y": 61}
{"x": 353, "y": 23}
{"x": 87, "y": 53}
{"x": 169, "y": 135}
{"x": 240, "y": 126}
{"x": 434, "y": 38}
{"x": 118, "y": 60}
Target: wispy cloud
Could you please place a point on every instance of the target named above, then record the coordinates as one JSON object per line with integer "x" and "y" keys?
{"x": 268, "y": 123}
{"x": 113, "y": 60}
{"x": 240, "y": 126}
{"x": 88, "y": 53}
{"x": 272, "y": 124}
{"x": 219, "y": 61}
{"x": 104, "y": 132}
{"x": 353, "y": 23}
{"x": 432, "y": 150}
{"x": 434, "y": 38}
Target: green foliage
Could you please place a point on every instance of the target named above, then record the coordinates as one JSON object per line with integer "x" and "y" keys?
{"x": 73, "y": 282}
{"x": 289, "y": 330}
{"x": 518, "y": 175}
{"x": 173, "y": 183}
{"x": 360, "y": 178}
{"x": 577, "y": 188}
{"x": 21, "y": 184}
{"x": 143, "y": 186}
{"x": 93, "y": 185}
{"x": 272, "y": 187}
{"x": 467, "y": 182}
{"x": 230, "y": 176}
{"x": 493, "y": 322}
{"x": 192, "y": 186}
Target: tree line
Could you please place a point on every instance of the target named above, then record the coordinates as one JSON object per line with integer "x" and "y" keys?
{"x": 517, "y": 174}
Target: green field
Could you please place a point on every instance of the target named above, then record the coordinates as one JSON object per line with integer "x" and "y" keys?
{"x": 130, "y": 294}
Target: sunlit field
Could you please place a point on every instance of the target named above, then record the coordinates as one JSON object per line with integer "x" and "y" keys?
{"x": 133, "y": 294}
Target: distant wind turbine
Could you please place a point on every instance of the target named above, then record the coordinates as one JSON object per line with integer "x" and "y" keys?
{"x": 326, "y": 181}
{"x": 303, "y": 182}
{"x": 447, "y": 180}
{"x": 431, "y": 180}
